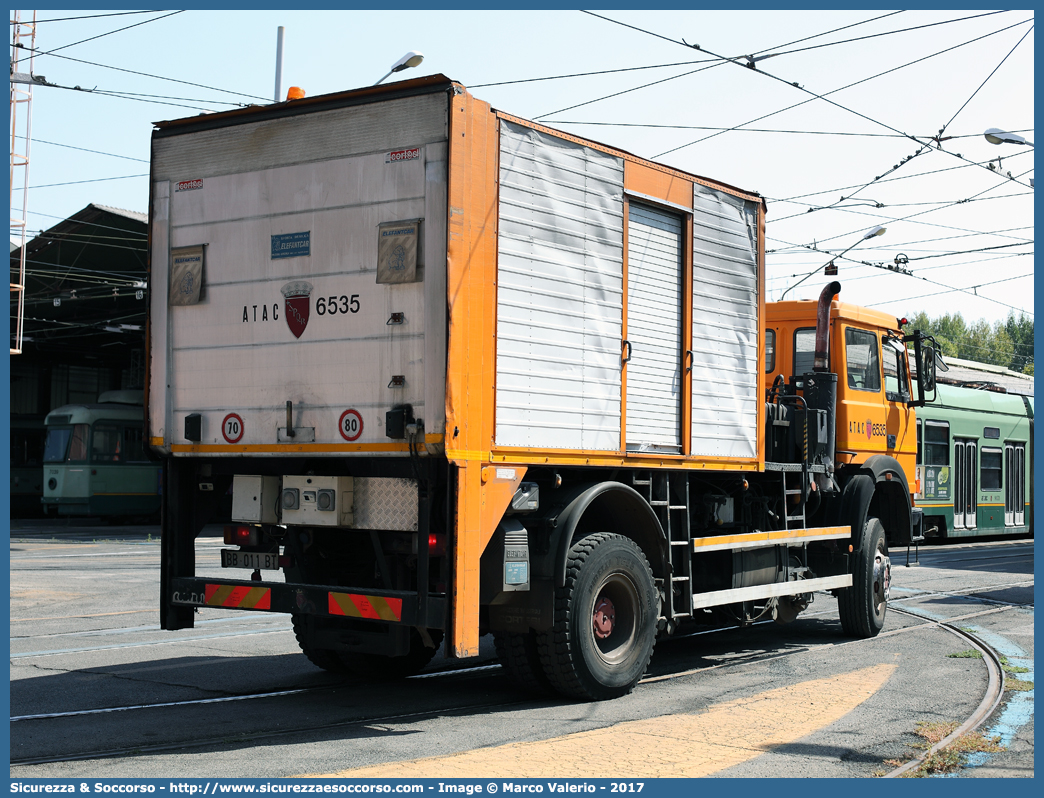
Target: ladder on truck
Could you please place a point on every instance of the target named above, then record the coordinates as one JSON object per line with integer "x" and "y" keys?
{"x": 670, "y": 501}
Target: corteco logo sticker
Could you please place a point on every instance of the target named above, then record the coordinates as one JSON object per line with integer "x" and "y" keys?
{"x": 402, "y": 155}
{"x": 189, "y": 185}
{"x": 297, "y": 305}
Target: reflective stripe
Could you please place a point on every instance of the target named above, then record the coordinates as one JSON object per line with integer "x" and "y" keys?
{"x": 253, "y": 598}
{"x": 355, "y": 606}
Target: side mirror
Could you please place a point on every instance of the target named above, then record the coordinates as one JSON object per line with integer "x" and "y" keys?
{"x": 926, "y": 369}
{"x": 928, "y": 359}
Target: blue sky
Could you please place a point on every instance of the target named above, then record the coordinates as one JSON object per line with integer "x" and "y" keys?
{"x": 894, "y": 80}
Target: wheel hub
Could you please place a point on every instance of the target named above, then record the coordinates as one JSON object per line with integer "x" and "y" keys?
{"x": 882, "y": 578}
{"x": 604, "y": 618}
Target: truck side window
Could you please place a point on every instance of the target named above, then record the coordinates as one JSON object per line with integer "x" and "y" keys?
{"x": 770, "y": 350}
{"x": 896, "y": 384}
{"x": 864, "y": 362}
{"x": 804, "y": 350}
{"x": 920, "y": 443}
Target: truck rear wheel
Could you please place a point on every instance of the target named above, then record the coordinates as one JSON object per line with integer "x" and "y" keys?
{"x": 604, "y": 620}
{"x": 863, "y": 606}
{"x": 372, "y": 665}
{"x": 320, "y": 657}
{"x": 378, "y": 666}
{"x": 519, "y": 655}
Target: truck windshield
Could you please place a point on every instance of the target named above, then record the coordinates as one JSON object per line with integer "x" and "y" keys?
{"x": 66, "y": 444}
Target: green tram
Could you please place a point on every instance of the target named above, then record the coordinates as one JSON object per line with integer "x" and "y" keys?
{"x": 94, "y": 463}
{"x": 975, "y": 463}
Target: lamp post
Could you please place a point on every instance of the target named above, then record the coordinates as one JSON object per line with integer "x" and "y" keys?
{"x": 877, "y": 231}
{"x": 411, "y": 59}
{"x": 997, "y": 136}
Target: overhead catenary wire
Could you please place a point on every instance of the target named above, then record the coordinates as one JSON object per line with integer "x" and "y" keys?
{"x": 84, "y": 149}
{"x": 77, "y": 221}
{"x": 825, "y": 98}
{"x": 972, "y": 288}
{"x": 140, "y": 99}
{"x": 95, "y": 180}
{"x": 654, "y": 66}
{"x": 159, "y": 77}
{"x": 884, "y": 180}
{"x": 96, "y": 16}
{"x": 587, "y": 74}
{"x": 768, "y": 130}
{"x": 912, "y": 216}
{"x": 718, "y": 62}
{"x": 992, "y": 73}
{"x": 726, "y": 59}
{"x": 108, "y": 33}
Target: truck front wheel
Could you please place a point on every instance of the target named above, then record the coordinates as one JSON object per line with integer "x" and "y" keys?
{"x": 864, "y": 604}
{"x": 604, "y": 620}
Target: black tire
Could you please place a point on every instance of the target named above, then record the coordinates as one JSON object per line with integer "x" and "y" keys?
{"x": 578, "y": 663}
{"x": 378, "y": 666}
{"x": 320, "y": 657}
{"x": 372, "y": 665}
{"x": 864, "y": 605}
{"x": 519, "y": 655}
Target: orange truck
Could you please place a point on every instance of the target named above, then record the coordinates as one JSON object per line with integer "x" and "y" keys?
{"x": 443, "y": 372}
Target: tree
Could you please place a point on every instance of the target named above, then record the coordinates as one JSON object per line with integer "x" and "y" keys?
{"x": 1020, "y": 331}
{"x": 1008, "y": 343}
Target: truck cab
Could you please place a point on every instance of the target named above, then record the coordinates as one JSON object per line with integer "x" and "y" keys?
{"x": 875, "y": 423}
{"x": 875, "y": 408}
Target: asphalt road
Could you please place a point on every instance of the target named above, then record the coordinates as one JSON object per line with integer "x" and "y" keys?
{"x": 97, "y": 690}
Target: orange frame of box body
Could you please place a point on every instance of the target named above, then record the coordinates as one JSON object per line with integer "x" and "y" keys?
{"x": 488, "y": 475}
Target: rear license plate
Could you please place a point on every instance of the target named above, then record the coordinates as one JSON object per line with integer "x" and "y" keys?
{"x": 252, "y": 560}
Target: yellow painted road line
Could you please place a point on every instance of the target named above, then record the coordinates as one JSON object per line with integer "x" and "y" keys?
{"x": 670, "y": 746}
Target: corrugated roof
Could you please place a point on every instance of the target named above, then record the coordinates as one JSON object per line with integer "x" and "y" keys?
{"x": 971, "y": 373}
{"x": 138, "y": 217}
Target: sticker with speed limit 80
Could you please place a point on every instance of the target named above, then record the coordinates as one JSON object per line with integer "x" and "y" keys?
{"x": 350, "y": 425}
{"x": 232, "y": 428}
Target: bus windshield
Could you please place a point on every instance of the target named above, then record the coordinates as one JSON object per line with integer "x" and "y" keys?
{"x": 66, "y": 444}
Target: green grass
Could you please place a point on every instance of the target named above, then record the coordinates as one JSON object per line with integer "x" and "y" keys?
{"x": 971, "y": 653}
{"x": 951, "y": 758}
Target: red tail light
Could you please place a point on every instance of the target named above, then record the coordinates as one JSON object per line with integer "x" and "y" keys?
{"x": 242, "y": 535}
{"x": 436, "y": 545}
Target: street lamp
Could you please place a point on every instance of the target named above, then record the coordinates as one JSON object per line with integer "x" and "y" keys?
{"x": 997, "y": 136}
{"x": 411, "y": 59}
{"x": 877, "y": 231}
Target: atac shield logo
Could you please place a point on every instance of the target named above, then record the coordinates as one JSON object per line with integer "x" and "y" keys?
{"x": 297, "y": 305}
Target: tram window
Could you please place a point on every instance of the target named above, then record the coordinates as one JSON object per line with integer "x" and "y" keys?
{"x": 990, "y": 462}
{"x": 78, "y": 443}
{"x": 770, "y": 350}
{"x": 864, "y": 362}
{"x": 920, "y": 445}
{"x": 132, "y": 448}
{"x": 106, "y": 444}
{"x": 56, "y": 443}
{"x": 804, "y": 351}
{"x": 937, "y": 443}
